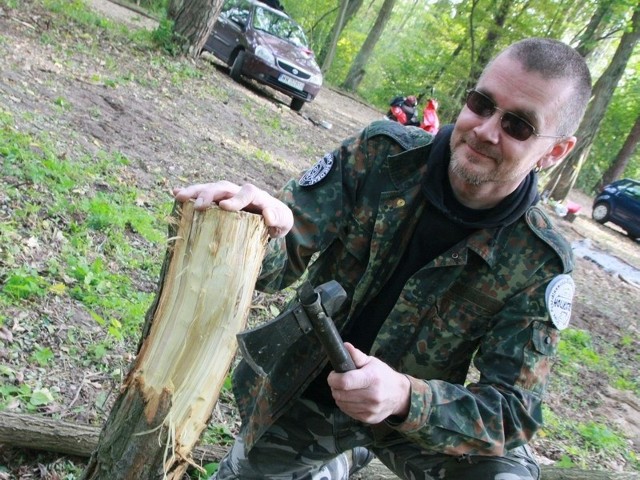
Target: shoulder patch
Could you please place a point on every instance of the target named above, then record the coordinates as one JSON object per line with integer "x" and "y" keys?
{"x": 543, "y": 228}
{"x": 558, "y": 297}
{"x": 318, "y": 172}
{"x": 408, "y": 137}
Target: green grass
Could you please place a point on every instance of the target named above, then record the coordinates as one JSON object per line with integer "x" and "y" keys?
{"x": 66, "y": 241}
{"x": 585, "y": 439}
{"x": 577, "y": 353}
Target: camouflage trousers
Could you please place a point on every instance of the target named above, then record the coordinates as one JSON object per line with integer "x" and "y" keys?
{"x": 315, "y": 442}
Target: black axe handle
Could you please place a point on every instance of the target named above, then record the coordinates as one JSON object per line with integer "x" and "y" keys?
{"x": 325, "y": 329}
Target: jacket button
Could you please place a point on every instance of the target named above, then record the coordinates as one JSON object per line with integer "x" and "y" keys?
{"x": 455, "y": 255}
{"x": 400, "y": 203}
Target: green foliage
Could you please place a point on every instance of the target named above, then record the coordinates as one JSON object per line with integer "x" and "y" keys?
{"x": 13, "y": 391}
{"x": 621, "y": 115}
{"x": 164, "y": 38}
{"x": 78, "y": 11}
{"x": 209, "y": 469}
{"x": 576, "y": 347}
{"x": 105, "y": 240}
{"x": 21, "y": 285}
{"x": 577, "y": 354}
{"x": 42, "y": 356}
{"x": 601, "y": 437}
{"x": 218, "y": 435}
{"x": 584, "y": 440}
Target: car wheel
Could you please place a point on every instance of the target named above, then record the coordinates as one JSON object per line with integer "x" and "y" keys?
{"x": 600, "y": 212}
{"x": 236, "y": 67}
{"x": 296, "y": 104}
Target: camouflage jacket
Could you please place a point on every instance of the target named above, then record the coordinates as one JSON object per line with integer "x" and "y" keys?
{"x": 483, "y": 297}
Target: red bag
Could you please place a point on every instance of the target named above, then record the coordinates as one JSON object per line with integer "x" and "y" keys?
{"x": 430, "y": 121}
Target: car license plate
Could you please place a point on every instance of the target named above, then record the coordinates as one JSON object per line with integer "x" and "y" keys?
{"x": 292, "y": 82}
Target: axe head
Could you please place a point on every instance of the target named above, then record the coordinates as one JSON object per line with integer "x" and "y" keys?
{"x": 262, "y": 346}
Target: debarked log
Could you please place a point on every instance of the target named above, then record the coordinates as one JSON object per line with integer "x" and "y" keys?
{"x": 43, "y": 433}
{"x": 187, "y": 346}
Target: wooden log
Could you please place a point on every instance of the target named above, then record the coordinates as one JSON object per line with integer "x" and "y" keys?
{"x": 35, "y": 432}
{"x": 42, "y": 433}
{"x": 204, "y": 297}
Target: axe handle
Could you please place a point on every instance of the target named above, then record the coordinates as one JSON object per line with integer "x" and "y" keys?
{"x": 332, "y": 343}
{"x": 325, "y": 329}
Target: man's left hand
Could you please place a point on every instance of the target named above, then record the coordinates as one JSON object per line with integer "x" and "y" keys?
{"x": 372, "y": 392}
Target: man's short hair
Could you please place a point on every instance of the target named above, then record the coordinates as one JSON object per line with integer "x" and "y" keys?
{"x": 555, "y": 59}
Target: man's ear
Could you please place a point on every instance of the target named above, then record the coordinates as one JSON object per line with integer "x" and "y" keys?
{"x": 557, "y": 153}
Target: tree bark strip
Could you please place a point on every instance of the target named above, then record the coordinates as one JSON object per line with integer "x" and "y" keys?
{"x": 203, "y": 300}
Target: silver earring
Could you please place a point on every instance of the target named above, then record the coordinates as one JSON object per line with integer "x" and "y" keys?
{"x": 537, "y": 169}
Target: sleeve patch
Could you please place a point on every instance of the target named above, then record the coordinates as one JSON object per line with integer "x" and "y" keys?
{"x": 558, "y": 297}
{"x": 318, "y": 172}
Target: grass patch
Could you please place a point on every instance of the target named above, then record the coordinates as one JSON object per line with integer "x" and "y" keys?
{"x": 584, "y": 441}
{"x": 75, "y": 235}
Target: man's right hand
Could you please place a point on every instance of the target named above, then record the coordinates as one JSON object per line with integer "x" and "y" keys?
{"x": 229, "y": 196}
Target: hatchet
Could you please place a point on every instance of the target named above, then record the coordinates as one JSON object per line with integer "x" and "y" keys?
{"x": 309, "y": 315}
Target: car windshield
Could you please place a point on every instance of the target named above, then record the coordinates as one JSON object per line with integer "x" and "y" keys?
{"x": 279, "y": 26}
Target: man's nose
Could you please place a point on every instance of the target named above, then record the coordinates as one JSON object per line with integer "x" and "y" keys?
{"x": 489, "y": 128}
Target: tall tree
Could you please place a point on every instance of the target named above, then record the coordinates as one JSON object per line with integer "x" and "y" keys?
{"x": 588, "y": 38}
{"x": 563, "y": 177}
{"x": 348, "y": 9}
{"x": 492, "y": 37}
{"x": 192, "y": 22}
{"x": 329, "y": 52}
{"x": 621, "y": 161}
{"x": 356, "y": 72}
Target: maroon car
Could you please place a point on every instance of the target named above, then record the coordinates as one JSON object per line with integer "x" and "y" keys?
{"x": 265, "y": 44}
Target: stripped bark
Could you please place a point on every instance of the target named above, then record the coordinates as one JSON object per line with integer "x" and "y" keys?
{"x": 188, "y": 344}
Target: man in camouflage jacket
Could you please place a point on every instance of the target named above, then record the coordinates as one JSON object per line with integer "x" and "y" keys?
{"x": 498, "y": 295}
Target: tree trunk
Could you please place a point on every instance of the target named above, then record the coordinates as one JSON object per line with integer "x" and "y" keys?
{"x": 192, "y": 22}
{"x": 616, "y": 170}
{"x": 561, "y": 179}
{"x": 41, "y": 433}
{"x": 491, "y": 40}
{"x": 588, "y": 39}
{"x": 357, "y": 71}
{"x": 327, "y": 59}
{"x": 188, "y": 344}
{"x": 327, "y": 49}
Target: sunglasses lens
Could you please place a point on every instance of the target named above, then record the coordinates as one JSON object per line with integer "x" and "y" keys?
{"x": 516, "y": 127}
{"x": 479, "y": 104}
{"x": 513, "y": 125}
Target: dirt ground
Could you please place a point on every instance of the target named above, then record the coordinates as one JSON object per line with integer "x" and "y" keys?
{"x": 209, "y": 128}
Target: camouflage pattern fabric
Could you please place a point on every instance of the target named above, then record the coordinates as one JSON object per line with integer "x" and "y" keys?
{"x": 483, "y": 300}
{"x": 307, "y": 443}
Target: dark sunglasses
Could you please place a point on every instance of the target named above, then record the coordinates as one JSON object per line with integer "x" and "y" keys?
{"x": 512, "y": 124}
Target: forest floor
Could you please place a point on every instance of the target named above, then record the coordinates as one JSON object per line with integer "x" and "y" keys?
{"x": 207, "y": 127}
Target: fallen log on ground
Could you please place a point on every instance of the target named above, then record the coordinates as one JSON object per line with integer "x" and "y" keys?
{"x": 35, "y": 432}
{"x": 188, "y": 343}
{"x": 42, "y": 433}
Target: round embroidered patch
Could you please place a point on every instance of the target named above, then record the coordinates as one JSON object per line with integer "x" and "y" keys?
{"x": 318, "y": 172}
{"x": 558, "y": 298}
